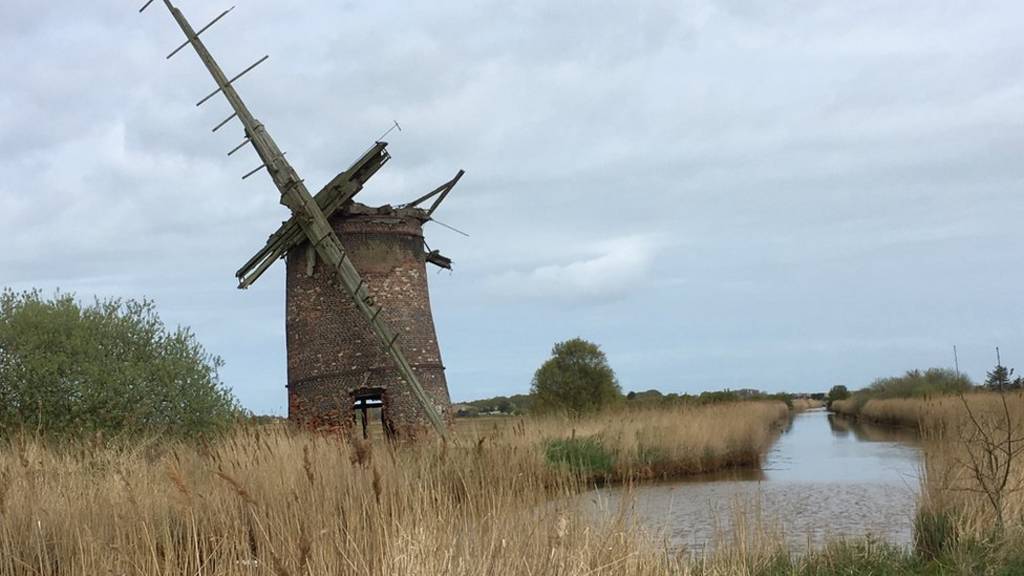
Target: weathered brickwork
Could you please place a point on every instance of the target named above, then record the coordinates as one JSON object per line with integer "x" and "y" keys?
{"x": 333, "y": 355}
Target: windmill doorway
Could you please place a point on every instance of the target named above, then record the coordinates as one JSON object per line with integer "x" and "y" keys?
{"x": 369, "y": 413}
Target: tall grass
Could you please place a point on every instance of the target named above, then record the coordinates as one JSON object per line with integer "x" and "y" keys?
{"x": 958, "y": 518}
{"x": 899, "y": 400}
{"x": 270, "y": 500}
{"x": 955, "y": 497}
{"x": 676, "y": 441}
{"x": 916, "y": 412}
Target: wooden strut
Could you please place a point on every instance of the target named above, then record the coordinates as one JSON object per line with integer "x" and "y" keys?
{"x": 309, "y": 216}
{"x": 331, "y": 198}
{"x": 443, "y": 190}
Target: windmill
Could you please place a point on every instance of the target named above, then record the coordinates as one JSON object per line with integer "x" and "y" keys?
{"x": 337, "y": 313}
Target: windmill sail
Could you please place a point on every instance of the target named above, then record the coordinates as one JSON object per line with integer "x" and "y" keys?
{"x": 308, "y": 214}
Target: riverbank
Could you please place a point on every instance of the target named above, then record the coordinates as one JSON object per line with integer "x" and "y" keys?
{"x": 272, "y": 500}
{"x": 269, "y": 500}
{"x": 647, "y": 443}
{"x": 923, "y": 411}
{"x": 972, "y": 502}
{"x": 824, "y": 478}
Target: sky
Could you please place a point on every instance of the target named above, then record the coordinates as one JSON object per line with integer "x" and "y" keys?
{"x": 722, "y": 194}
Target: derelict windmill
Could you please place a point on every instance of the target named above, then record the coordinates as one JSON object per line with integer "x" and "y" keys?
{"x": 341, "y": 350}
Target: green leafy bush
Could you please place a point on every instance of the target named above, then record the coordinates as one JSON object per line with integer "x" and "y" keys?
{"x": 916, "y": 384}
{"x": 69, "y": 369}
{"x": 585, "y": 455}
{"x": 837, "y": 392}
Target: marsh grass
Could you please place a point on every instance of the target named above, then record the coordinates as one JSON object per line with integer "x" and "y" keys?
{"x": 642, "y": 443}
{"x": 953, "y": 487}
{"x": 271, "y": 500}
{"x": 581, "y": 455}
{"x": 959, "y": 522}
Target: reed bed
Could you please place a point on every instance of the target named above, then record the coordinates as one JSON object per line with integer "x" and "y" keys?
{"x": 966, "y": 508}
{"x": 644, "y": 443}
{"x": 931, "y": 410}
{"x": 848, "y": 407}
{"x": 974, "y": 464}
{"x": 270, "y": 500}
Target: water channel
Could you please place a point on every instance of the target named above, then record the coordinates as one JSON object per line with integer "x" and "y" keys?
{"x": 825, "y": 477}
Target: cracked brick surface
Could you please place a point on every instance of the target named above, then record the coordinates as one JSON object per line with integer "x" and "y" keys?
{"x": 333, "y": 355}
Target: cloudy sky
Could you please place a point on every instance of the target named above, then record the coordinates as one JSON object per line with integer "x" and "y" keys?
{"x": 777, "y": 195}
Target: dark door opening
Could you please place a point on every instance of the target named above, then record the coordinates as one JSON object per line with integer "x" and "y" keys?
{"x": 368, "y": 414}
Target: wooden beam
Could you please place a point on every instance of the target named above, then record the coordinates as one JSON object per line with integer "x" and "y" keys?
{"x": 312, "y": 220}
{"x": 443, "y": 190}
{"x": 445, "y": 193}
{"x": 330, "y": 199}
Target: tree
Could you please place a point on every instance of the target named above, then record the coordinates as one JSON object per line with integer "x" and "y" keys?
{"x": 1000, "y": 378}
{"x": 71, "y": 369}
{"x": 838, "y": 392}
{"x": 576, "y": 379}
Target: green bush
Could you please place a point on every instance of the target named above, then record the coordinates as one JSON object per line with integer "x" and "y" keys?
{"x": 69, "y": 369}
{"x": 837, "y": 392}
{"x": 585, "y": 455}
{"x": 912, "y": 384}
{"x": 915, "y": 384}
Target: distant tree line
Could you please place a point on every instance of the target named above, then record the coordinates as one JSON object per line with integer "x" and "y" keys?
{"x": 577, "y": 379}
{"x": 712, "y": 397}
{"x": 926, "y": 383}
{"x": 515, "y": 405}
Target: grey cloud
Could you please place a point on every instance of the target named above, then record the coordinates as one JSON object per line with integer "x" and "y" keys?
{"x": 610, "y": 271}
{"x": 815, "y": 176}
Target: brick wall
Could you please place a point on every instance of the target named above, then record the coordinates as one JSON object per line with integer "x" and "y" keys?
{"x": 332, "y": 352}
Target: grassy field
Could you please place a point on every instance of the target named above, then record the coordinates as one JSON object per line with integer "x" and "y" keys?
{"x": 497, "y": 499}
{"x": 269, "y": 500}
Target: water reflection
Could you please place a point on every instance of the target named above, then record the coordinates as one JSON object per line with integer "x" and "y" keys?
{"x": 825, "y": 477}
{"x": 868, "y": 432}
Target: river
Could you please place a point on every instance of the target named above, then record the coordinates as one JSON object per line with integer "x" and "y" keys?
{"x": 825, "y": 477}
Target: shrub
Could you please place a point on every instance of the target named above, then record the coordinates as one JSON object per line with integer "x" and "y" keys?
{"x": 913, "y": 384}
{"x": 838, "y": 392}
{"x": 69, "y": 369}
{"x": 585, "y": 455}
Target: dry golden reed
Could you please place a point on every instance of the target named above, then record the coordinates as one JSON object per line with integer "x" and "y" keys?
{"x": 953, "y": 440}
{"x": 273, "y": 500}
{"x": 951, "y": 437}
{"x": 645, "y": 443}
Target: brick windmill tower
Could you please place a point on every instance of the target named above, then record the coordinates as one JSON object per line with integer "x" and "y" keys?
{"x": 360, "y": 332}
{"x": 338, "y": 373}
